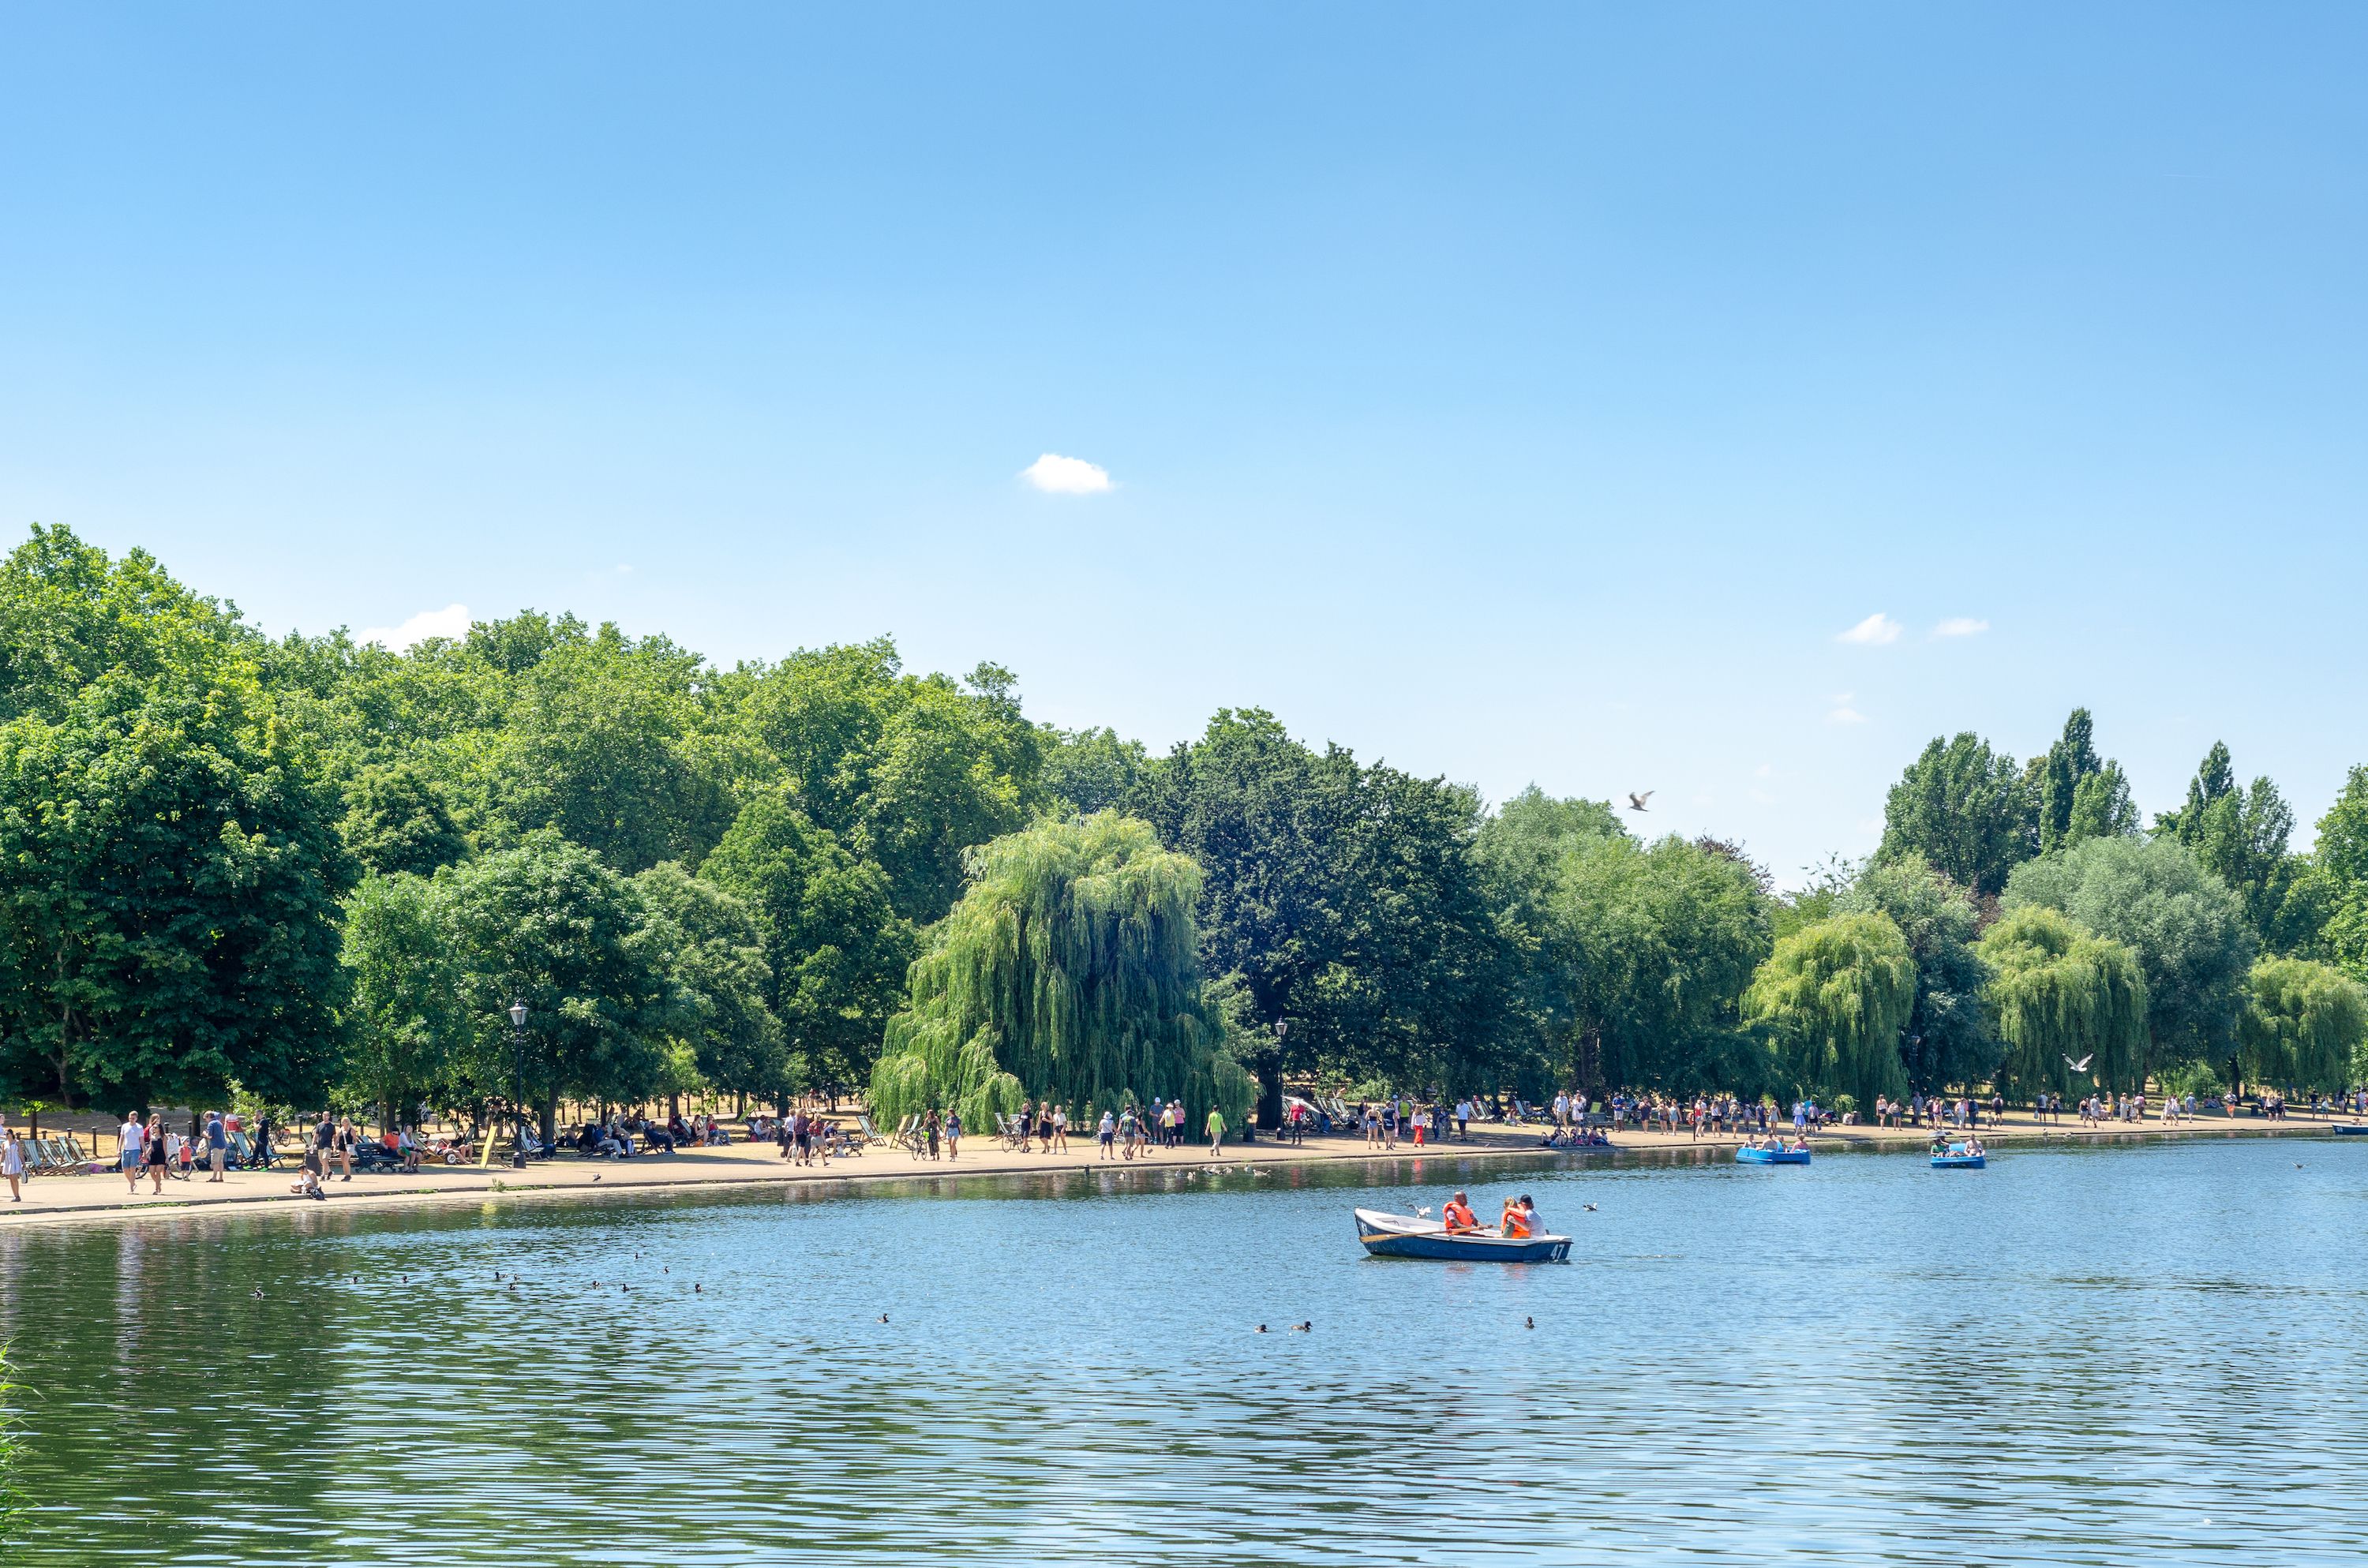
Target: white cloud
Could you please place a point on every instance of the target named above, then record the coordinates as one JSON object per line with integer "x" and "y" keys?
{"x": 1875, "y": 627}
{"x": 1844, "y": 713}
{"x": 1765, "y": 770}
{"x": 453, "y": 620}
{"x": 1067, "y": 476}
{"x": 1961, "y": 626}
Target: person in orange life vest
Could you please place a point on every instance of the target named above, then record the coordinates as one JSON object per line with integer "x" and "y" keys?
{"x": 1459, "y": 1216}
{"x": 1520, "y": 1218}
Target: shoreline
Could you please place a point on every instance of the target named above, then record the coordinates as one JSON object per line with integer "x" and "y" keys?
{"x": 54, "y": 1202}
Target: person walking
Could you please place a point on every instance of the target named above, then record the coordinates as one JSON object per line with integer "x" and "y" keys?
{"x": 1216, "y": 1130}
{"x": 345, "y": 1148}
{"x": 152, "y": 1141}
{"x": 128, "y": 1138}
{"x": 217, "y": 1145}
{"x": 954, "y": 1135}
{"x": 1107, "y": 1132}
{"x": 12, "y": 1163}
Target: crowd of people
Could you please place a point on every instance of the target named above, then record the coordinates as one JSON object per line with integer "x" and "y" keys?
{"x": 154, "y": 1149}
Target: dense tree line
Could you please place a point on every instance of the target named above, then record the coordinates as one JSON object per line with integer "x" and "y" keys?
{"x": 305, "y": 868}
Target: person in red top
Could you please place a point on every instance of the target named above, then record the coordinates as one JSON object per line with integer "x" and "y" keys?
{"x": 1459, "y": 1216}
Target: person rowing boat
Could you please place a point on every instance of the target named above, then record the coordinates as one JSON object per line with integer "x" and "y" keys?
{"x": 1458, "y": 1216}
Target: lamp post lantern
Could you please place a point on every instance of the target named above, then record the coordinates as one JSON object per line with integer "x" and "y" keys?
{"x": 517, "y": 1049}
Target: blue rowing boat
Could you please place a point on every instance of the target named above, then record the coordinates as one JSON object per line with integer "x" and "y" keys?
{"x": 2352, "y": 1129}
{"x": 1748, "y": 1155}
{"x": 1404, "y": 1236}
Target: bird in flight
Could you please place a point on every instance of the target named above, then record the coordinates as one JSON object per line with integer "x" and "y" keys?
{"x": 1636, "y": 802}
{"x": 2082, "y": 1066}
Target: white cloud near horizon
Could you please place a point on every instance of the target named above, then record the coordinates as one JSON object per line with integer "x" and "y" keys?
{"x": 1961, "y": 626}
{"x": 452, "y": 622}
{"x": 1877, "y": 628}
{"x": 1067, "y": 476}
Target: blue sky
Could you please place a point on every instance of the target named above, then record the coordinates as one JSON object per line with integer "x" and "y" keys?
{"x": 1511, "y": 392}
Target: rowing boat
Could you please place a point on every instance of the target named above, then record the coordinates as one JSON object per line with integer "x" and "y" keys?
{"x": 1404, "y": 1236}
{"x": 2352, "y": 1129}
{"x": 1748, "y": 1155}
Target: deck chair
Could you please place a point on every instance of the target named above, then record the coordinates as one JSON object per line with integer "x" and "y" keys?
{"x": 870, "y": 1133}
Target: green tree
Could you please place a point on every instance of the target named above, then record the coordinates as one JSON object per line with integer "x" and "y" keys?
{"x": 2240, "y": 837}
{"x": 603, "y": 743}
{"x": 2336, "y": 886}
{"x": 1070, "y": 971}
{"x": 1665, "y": 939}
{"x": 833, "y": 947}
{"x": 2063, "y": 997}
{"x": 906, "y": 771}
{"x": 715, "y": 943}
{"x": 404, "y": 1023}
{"x": 396, "y": 821}
{"x": 1346, "y": 898}
{"x": 1833, "y": 998}
{"x": 169, "y": 877}
{"x": 1092, "y": 770}
{"x": 1948, "y": 1040}
{"x": 1965, "y": 810}
{"x": 2187, "y": 929}
{"x": 2303, "y": 1024}
{"x": 547, "y": 924}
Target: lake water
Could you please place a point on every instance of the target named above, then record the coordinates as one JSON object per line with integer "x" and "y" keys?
{"x": 2149, "y": 1353}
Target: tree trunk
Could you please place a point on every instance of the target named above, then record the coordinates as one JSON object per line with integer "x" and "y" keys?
{"x": 550, "y": 1118}
{"x": 674, "y": 1107}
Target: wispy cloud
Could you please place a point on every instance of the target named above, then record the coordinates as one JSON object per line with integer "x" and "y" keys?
{"x": 1876, "y": 628}
{"x": 1842, "y": 712}
{"x": 1961, "y": 626}
{"x": 1067, "y": 476}
{"x": 452, "y": 622}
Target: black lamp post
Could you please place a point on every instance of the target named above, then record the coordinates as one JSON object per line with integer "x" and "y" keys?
{"x": 1280, "y": 1028}
{"x": 517, "y": 1048}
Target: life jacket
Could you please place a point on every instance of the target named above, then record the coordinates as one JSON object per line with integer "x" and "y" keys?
{"x": 1460, "y": 1218}
{"x": 1515, "y": 1223}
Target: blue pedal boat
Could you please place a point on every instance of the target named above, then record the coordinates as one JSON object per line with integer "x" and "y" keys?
{"x": 1404, "y": 1236}
{"x": 1748, "y": 1155}
{"x": 1957, "y": 1158}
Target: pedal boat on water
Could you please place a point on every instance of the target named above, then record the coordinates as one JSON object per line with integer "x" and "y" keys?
{"x": 1748, "y": 1155}
{"x": 1402, "y": 1236}
{"x": 1959, "y": 1157}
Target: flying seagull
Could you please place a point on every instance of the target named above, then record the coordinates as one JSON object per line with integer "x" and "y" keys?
{"x": 2082, "y": 1066}
{"x": 1636, "y": 802}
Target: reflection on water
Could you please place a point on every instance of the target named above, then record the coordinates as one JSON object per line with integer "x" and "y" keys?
{"x": 2101, "y": 1356}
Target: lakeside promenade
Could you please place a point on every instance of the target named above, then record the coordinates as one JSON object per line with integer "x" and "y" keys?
{"x": 101, "y": 1198}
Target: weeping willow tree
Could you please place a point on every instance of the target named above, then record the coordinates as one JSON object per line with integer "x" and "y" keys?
{"x": 2070, "y": 1006}
{"x": 1834, "y": 998}
{"x": 2301, "y": 1025}
{"x": 1069, "y": 971}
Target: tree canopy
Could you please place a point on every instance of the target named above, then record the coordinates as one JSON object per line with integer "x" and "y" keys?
{"x": 1070, "y": 970}
{"x": 1965, "y": 811}
{"x": 2304, "y": 1025}
{"x": 1833, "y": 998}
{"x": 2071, "y": 1007}
{"x": 2188, "y": 931}
{"x": 1948, "y": 1040}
